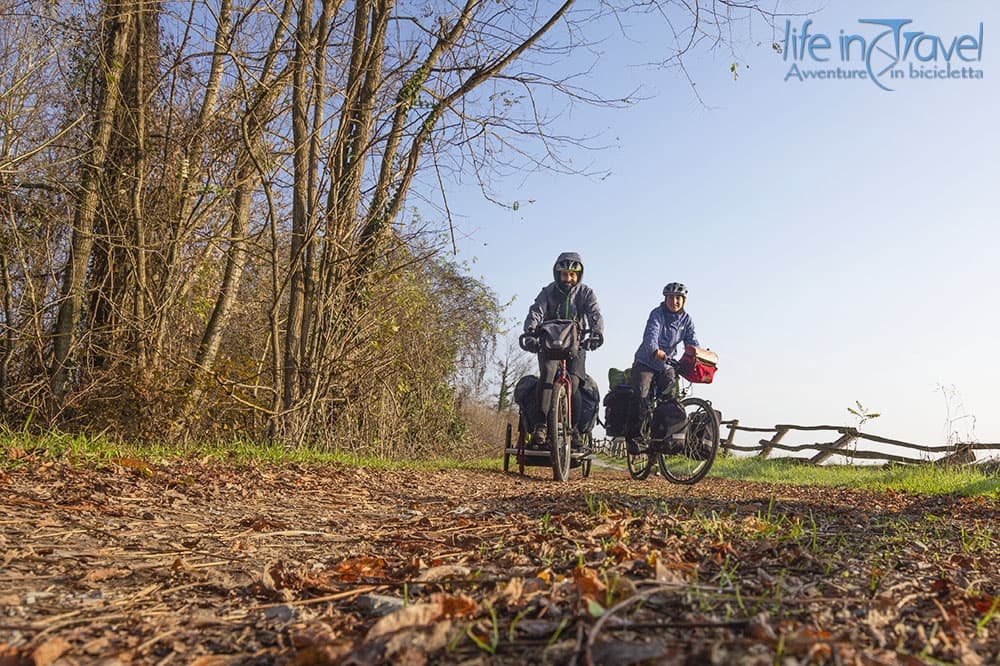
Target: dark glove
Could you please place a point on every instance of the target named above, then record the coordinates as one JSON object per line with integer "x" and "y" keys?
{"x": 594, "y": 341}
{"x": 531, "y": 345}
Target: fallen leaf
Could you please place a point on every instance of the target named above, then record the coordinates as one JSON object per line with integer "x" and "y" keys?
{"x": 411, "y": 647}
{"x": 49, "y": 651}
{"x": 10, "y": 656}
{"x": 443, "y": 572}
{"x": 458, "y": 605}
{"x": 216, "y": 660}
{"x": 587, "y": 582}
{"x": 356, "y": 568}
{"x": 322, "y": 655}
{"x": 759, "y": 627}
{"x": 406, "y": 617}
{"x": 97, "y": 575}
{"x": 139, "y": 466}
{"x": 594, "y": 609}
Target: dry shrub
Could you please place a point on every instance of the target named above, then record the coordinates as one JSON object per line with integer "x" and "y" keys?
{"x": 486, "y": 429}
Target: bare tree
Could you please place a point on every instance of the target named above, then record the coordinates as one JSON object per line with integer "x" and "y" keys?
{"x": 230, "y": 238}
{"x": 116, "y": 25}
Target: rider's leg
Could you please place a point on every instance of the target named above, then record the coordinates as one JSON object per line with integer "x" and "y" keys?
{"x": 642, "y": 380}
{"x": 577, "y": 371}
{"x": 666, "y": 383}
{"x": 547, "y": 373}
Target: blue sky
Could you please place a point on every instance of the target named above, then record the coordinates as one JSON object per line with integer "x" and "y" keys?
{"x": 838, "y": 240}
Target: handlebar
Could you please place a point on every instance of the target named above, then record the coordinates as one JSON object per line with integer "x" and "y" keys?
{"x": 589, "y": 339}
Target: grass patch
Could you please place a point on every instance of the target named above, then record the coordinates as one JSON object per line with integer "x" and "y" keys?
{"x": 913, "y": 479}
{"x": 20, "y": 449}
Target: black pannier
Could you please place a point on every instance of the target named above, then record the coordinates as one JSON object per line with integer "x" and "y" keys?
{"x": 526, "y": 398}
{"x": 699, "y": 441}
{"x": 668, "y": 418}
{"x": 617, "y": 403}
{"x": 590, "y": 401}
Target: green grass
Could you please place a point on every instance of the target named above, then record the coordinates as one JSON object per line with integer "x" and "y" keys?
{"x": 18, "y": 449}
{"x": 913, "y": 479}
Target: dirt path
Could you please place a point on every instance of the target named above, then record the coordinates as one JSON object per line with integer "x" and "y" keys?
{"x": 208, "y": 564}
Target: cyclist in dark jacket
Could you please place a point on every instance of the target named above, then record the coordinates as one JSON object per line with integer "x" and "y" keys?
{"x": 667, "y": 326}
{"x": 566, "y": 297}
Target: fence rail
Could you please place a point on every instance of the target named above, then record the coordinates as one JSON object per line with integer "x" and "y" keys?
{"x": 959, "y": 453}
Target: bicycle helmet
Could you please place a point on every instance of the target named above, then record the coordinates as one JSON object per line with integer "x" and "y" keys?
{"x": 675, "y": 288}
{"x": 568, "y": 261}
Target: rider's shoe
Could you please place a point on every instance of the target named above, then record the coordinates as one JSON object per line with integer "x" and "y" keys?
{"x": 578, "y": 444}
{"x": 632, "y": 446}
{"x": 539, "y": 435}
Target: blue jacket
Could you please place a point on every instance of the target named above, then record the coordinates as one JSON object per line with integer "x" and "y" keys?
{"x": 664, "y": 330}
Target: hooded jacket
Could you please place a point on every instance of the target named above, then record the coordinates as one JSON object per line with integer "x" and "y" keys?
{"x": 554, "y": 301}
{"x": 665, "y": 330}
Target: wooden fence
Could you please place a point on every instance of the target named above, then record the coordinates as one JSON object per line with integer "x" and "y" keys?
{"x": 847, "y": 444}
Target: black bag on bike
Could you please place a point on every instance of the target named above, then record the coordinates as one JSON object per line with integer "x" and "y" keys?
{"x": 668, "y": 418}
{"x": 526, "y": 399}
{"x": 590, "y": 401}
{"x": 699, "y": 444}
{"x": 617, "y": 403}
{"x": 559, "y": 338}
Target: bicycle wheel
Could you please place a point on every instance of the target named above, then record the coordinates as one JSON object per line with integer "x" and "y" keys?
{"x": 640, "y": 464}
{"x": 506, "y": 449}
{"x": 588, "y": 442}
{"x": 560, "y": 433}
{"x": 692, "y": 452}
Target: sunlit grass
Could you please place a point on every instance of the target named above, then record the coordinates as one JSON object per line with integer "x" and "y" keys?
{"x": 915, "y": 479}
{"x": 19, "y": 449}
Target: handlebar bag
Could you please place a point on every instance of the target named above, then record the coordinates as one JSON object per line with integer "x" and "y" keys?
{"x": 698, "y": 365}
{"x": 559, "y": 338}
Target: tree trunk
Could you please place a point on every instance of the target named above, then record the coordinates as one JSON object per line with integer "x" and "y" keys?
{"x": 117, "y": 25}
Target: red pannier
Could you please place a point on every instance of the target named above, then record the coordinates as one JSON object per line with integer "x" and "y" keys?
{"x": 698, "y": 365}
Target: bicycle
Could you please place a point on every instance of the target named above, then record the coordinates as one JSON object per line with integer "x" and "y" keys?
{"x": 685, "y": 456}
{"x": 560, "y": 339}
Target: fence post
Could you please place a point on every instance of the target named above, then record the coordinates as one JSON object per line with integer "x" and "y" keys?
{"x": 727, "y": 446}
{"x": 767, "y": 445}
{"x": 848, "y": 436}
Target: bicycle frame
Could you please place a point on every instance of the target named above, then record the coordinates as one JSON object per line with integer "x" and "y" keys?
{"x": 562, "y": 377}
{"x": 559, "y": 438}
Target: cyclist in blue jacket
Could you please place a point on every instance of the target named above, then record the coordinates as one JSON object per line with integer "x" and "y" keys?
{"x": 566, "y": 297}
{"x": 667, "y": 326}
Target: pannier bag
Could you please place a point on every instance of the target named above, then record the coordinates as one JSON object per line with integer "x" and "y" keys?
{"x": 617, "y": 403}
{"x": 699, "y": 443}
{"x": 698, "y": 365}
{"x": 560, "y": 338}
{"x": 526, "y": 398}
{"x": 590, "y": 400}
{"x": 616, "y": 376}
{"x": 668, "y": 418}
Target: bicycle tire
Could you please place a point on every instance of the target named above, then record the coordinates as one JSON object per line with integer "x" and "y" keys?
{"x": 692, "y": 461}
{"x": 506, "y": 448}
{"x": 585, "y": 464}
{"x": 560, "y": 433}
{"x": 641, "y": 464}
